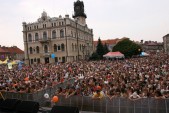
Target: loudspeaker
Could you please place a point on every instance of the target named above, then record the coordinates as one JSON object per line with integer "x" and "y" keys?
{"x": 9, "y": 104}
{"x": 64, "y": 109}
{"x": 1, "y": 100}
{"x": 28, "y": 107}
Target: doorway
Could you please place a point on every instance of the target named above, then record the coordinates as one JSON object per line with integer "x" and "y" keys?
{"x": 46, "y": 60}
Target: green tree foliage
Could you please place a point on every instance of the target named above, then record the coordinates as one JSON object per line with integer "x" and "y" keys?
{"x": 106, "y": 50}
{"x": 127, "y": 47}
{"x": 100, "y": 49}
{"x": 94, "y": 56}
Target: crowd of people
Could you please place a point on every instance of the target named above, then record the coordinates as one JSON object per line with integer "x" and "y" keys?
{"x": 133, "y": 78}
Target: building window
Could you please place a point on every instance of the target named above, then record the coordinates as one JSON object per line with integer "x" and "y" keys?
{"x": 58, "y": 47}
{"x": 46, "y": 49}
{"x": 55, "y": 48}
{"x": 36, "y": 37}
{"x": 34, "y": 59}
{"x": 61, "y": 33}
{"x": 56, "y": 59}
{"x": 53, "y": 34}
{"x": 44, "y": 36}
{"x": 31, "y": 61}
{"x": 37, "y": 49}
{"x": 63, "y": 59}
{"x": 62, "y": 47}
{"x": 44, "y": 25}
{"x": 72, "y": 47}
{"x": 29, "y": 37}
{"x": 54, "y": 24}
{"x": 38, "y": 60}
{"x": 75, "y": 47}
{"x": 80, "y": 47}
{"x": 72, "y": 33}
{"x": 30, "y": 50}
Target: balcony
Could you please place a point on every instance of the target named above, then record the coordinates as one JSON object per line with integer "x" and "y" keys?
{"x": 48, "y": 54}
{"x": 45, "y": 40}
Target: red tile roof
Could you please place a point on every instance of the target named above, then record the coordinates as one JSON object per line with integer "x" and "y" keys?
{"x": 17, "y": 50}
{"x": 11, "y": 50}
{"x": 2, "y": 50}
{"x": 109, "y": 41}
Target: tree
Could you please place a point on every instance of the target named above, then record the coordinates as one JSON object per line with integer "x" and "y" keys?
{"x": 100, "y": 49}
{"x": 94, "y": 56}
{"x": 106, "y": 50}
{"x": 127, "y": 47}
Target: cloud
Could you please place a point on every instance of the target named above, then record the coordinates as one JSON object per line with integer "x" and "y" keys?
{"x": 136, "y": 19}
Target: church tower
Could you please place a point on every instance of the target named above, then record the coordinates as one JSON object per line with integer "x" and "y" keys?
{"x": 79, "y": 15}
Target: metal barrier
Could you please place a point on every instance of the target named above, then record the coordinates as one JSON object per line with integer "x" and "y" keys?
{"x": 39, "y": 95}
{"x": 105, "y": 105}
{"x": 116, "y": 105}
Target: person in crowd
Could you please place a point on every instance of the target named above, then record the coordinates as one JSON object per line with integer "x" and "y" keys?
{"x": 98, "y": 94}
{"x": 134, "y": 96}
{"x": 144, "y": 77}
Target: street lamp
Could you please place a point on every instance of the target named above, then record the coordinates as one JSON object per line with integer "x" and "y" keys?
{"x": 76, "y": 20}
{"x": 83, "y": 48}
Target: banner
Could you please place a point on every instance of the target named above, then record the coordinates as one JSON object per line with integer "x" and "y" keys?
{"x": 9, "y": 65}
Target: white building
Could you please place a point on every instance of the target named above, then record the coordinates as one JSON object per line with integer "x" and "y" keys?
{"x": 58, "y": 39}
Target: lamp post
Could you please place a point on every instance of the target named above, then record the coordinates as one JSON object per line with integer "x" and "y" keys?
{"x": 76, "y": 20}
{"x": 83, "y": 48}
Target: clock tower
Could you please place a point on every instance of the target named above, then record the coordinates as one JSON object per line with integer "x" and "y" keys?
{"x": 79, "y": 14}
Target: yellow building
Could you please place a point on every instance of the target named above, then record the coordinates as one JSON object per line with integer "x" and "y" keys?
{"x": 58, "y": 39}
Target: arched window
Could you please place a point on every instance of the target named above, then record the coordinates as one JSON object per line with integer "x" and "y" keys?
{"x": 44, "y": 36}
{"x": 34, "y": 59}
{"x": 53, "y": 34}
{"x": 58, "y": 47}
{"x": 36, "y": 37}
{"x": 46, "y": 49}
{"x": 72, "y": 47}
{"x": 62, "y": 47}
{"x": 55, "y": 48}
{"x": 29, "y": 37}
{"x": 37, "y": 49}
{"x": 72, "y": 33}
{"x": 30, "y": 50}
{"x": 61, "y": 33}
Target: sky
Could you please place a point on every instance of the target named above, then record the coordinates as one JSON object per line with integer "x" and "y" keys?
{"x": 136, "y": 19}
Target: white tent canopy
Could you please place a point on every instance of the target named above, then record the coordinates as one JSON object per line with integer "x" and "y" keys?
{"x": 114, "y": 55}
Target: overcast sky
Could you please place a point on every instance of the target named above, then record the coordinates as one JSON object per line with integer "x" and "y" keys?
{"x": 109, "y": 19}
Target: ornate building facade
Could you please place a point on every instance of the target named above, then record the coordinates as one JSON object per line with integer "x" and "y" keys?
{"x": 58, "y": 39}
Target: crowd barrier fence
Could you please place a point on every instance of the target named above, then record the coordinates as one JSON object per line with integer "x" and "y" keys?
{"x": 105, "y": 105}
